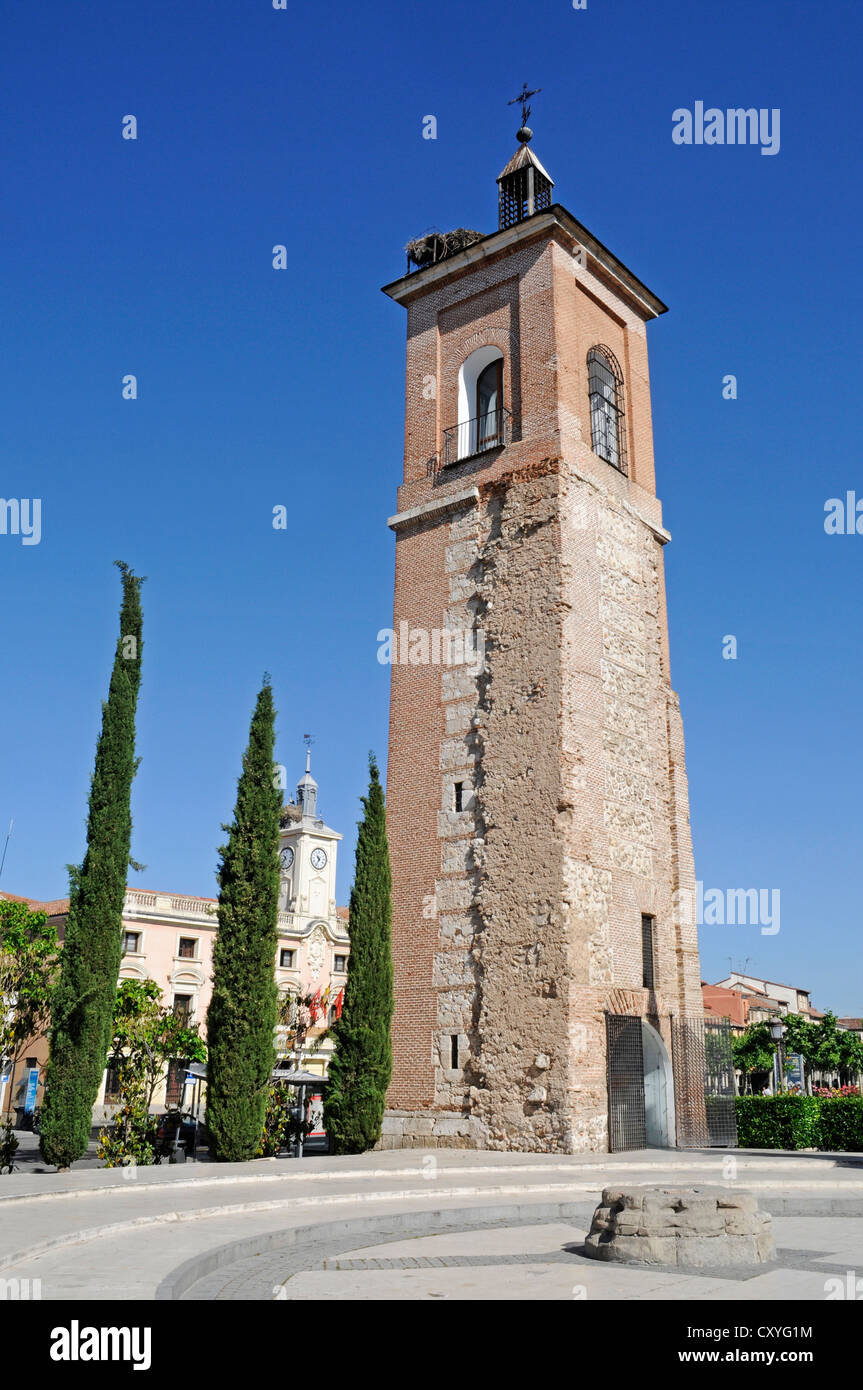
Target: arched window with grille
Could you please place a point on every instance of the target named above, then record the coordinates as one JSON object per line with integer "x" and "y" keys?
{"x": 607, "y": 424}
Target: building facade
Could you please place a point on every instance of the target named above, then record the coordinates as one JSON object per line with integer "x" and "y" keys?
{"x": 537, "y": 801}
{"x": 777, "y": 998}
{"x": 741, "y": 1007}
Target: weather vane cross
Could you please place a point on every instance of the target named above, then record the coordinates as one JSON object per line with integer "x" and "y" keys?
{"x": 523, "y": 96}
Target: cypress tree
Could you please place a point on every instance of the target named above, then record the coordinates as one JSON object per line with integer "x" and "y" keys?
{"x": 242, "y": 1015}
{"x": 83, "y": 1002}
{"x": 360, "y": 1070}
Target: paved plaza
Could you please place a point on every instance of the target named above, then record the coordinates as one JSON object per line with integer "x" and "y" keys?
{"x": 445, "y": 1224}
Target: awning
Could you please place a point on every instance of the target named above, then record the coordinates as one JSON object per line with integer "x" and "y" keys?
{"x": 299, "y": 1078}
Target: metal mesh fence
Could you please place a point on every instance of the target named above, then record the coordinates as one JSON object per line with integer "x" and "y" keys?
{"x": 625, "y": 1058}
{"x": 703, "y": 1083}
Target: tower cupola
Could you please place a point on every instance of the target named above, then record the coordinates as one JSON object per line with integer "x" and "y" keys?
{"x": 307, "y": 790}
{"x": 524, "y": 186}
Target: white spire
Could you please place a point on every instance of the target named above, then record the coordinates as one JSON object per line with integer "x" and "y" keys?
{"x": 307, "y": 790}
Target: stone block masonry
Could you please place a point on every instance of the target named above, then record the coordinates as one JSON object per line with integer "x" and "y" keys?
{"x": 695, "y": 1227}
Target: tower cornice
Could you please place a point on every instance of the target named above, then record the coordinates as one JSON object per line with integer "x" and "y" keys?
{"x": 541, "y": 224}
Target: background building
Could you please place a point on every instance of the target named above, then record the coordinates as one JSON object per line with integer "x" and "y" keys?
{"x": 787, "y": 999}
{"x": 168, "y": 937}
{"x": 746, "y": 1000}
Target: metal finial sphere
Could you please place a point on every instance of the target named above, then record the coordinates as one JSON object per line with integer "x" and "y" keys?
{"x": 525, "y": 135}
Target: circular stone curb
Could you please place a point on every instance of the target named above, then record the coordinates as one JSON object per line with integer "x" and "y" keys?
{"x": 327, "y": 1239}
{"x": 290, "y": 1202}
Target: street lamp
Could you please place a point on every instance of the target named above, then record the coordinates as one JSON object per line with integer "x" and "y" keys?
{"x": 777, "y": 1033}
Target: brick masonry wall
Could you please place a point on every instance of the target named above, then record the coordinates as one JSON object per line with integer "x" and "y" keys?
{"x": 517, "y": 921}
{"x": 413, "y": 801}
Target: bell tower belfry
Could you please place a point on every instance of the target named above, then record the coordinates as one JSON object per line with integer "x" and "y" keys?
{"x": 537, "y": 803}
{"x": 524, "y": 187}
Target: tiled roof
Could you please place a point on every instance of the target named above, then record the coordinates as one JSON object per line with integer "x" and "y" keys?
{"x": 798, "y": 989}
{"x": 53, "y": 908}
{"x": 855, "y": 1023}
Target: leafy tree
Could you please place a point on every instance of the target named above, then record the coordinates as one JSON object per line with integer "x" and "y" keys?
{"x": 8, "y": 1148}
{"x": 284, "y": 1122}
{"x": 28, "y": 959}
{"x": 822, "y": 1045}
{"x": 296, "y": 1015}
{"x": 360, "y": 1070}
{"x": 242, "y": 1013}
{"x": 753, "y": 1051}
{"x": 279, "y": 1125}
{"x": 147, "y": 1036}
{"x": 83, "y": 1003}
{"x": 850, "y": 1054}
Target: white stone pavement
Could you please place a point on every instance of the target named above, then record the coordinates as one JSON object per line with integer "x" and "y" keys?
{"x": 290, "y": 1229}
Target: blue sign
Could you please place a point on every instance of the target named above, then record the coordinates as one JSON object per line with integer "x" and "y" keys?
{"x": 794, "y": 1070}
{"x": 30, "y": 1094}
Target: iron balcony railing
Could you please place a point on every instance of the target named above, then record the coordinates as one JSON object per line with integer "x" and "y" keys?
{"x": 490, "y": 431}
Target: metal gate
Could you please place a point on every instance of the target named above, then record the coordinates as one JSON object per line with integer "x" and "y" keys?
{"x": 626, "y": 1124}
{"x": 703, "y": 1083}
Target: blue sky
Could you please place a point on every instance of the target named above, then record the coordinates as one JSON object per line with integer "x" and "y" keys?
{"x": 259, "y": 388}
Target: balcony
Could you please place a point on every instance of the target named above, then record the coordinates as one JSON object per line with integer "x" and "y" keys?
{"x": 472, "y": 437}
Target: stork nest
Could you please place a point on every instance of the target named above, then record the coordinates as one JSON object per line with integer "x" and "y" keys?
{"x": 437, "y": 246}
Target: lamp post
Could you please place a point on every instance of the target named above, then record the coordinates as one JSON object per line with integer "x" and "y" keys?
{"x": 297, "y": 1111}
{"x": 777, "y": 1033}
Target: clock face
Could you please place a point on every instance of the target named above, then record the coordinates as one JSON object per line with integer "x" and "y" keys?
{"x": 286, "y": 858}
{"x": 319, "y": 858}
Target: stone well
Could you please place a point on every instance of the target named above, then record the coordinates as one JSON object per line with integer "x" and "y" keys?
{"x": 694, "y": 1226}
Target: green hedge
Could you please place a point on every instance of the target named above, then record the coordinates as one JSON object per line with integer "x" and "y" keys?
{"x": 800, "y": 1122}
{"x": 842, "y": 1124}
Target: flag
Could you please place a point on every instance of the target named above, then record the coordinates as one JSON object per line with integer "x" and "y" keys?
{"x": 340, "y": 999}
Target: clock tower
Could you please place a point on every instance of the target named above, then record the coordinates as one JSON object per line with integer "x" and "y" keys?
{"x": 537, "y": 802}
{"x": 314, "y": 944}
{"x": 307, "y": 854}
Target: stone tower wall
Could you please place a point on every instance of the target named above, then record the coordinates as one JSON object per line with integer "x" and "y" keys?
{"x": 517, "y": 920}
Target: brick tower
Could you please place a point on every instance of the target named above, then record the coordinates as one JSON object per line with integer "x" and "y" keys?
{"x": 537, "y": 801}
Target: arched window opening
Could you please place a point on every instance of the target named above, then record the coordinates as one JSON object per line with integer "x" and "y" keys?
{"x": 489, "y": 394}
{"x": 482, "y": 415}
{"x": 607, "y": 425}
